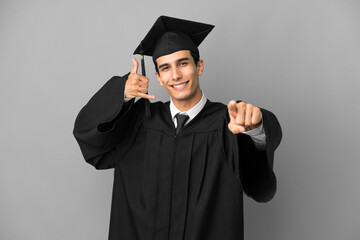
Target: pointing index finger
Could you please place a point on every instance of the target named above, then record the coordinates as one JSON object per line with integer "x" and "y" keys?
{"x": 232, "y": 107}
{"x": 232, "y": 110}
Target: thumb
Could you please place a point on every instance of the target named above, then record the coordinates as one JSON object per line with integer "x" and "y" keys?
{"x": 135, "y": 66}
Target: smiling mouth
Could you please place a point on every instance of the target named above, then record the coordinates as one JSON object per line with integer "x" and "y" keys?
{"x": 180, "y": 86}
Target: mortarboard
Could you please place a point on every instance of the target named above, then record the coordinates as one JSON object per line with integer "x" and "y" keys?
{"x": 169, "y": 35}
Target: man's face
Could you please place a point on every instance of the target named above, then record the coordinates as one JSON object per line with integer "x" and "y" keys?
{"x": 180, "y": 77}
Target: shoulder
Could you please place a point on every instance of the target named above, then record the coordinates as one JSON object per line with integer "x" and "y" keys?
{"x": 212, "y": 116}
{"x": 215, "y": 108}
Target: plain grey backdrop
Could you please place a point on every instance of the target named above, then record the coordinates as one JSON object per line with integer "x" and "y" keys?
{"x": 298, "y": 58}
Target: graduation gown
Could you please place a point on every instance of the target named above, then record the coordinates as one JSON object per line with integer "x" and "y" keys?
{"x": 174, "y": 187}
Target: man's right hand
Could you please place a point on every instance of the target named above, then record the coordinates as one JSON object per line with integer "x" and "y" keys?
{"x": 137, "y": 85}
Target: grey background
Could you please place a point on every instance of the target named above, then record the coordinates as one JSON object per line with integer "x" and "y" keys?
{"x": 298, "y": 58}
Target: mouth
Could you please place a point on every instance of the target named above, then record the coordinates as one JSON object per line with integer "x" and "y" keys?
{"x": 181, "y": 86}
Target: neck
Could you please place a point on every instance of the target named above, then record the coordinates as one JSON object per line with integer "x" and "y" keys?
{"x": 186, "y": 105}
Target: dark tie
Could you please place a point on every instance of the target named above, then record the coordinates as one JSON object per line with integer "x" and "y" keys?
{"x": 181, "y": 120}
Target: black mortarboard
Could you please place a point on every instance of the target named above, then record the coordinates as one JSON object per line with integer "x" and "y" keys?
{"x": 169, "y": 35}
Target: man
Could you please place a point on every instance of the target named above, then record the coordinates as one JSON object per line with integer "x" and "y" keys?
{"x": 181, "y": 171}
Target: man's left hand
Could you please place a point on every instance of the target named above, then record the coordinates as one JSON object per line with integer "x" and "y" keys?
{"x": 243, "y": 115}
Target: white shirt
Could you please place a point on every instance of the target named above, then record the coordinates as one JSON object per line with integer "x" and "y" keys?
{"x": 257, "y": 135}
{"x": 191, "y": 112}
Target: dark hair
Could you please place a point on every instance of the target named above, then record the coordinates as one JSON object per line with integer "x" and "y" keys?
{"x": 194, "y": 56}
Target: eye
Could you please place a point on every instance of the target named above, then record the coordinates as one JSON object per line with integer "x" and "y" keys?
{"x": 182, "y": 64}
{"x": 165, "y": 68}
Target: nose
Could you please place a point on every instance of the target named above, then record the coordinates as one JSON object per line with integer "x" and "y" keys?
{"x": 176, "y": 74}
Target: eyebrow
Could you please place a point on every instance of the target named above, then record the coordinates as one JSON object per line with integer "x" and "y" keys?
{"x": 179, "y": 60}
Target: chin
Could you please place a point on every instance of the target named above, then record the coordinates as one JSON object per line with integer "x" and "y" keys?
{"x": 184, "y": 99}
{"x": 181, "y": 96}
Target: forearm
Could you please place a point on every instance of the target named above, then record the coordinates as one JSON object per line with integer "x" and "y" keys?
{"x": 258, "y": 136}
{"x": 257, "y": 173}
{"x": 102, "y": 122}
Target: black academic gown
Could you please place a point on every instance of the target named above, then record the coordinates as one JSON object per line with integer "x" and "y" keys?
{"x": 169, "y": 187}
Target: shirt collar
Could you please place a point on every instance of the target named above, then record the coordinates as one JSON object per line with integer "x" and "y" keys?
{"x": 191, "y": 112}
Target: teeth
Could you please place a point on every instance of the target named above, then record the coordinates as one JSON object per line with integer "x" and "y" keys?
{"x": 179, "y": 86}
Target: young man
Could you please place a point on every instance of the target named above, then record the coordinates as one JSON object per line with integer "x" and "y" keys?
{"x": 180, "y": 173}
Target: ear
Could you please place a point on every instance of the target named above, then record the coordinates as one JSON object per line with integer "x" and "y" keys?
{"x": 200, "y": 67}
{"x": 159, "y": 79}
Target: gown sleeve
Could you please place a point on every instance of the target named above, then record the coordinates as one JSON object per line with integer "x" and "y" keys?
{"x": 256, "y": 167}
{"x": 106, "y": 126}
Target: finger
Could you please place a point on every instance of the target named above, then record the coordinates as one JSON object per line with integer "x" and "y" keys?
{"x": 236, "y": 129}
{"x": 232, "y": 109}
{"x": 256, "y": 116}
{"x": 240, "y": 116}
{"x": 143, "y": 84}
{"x": 135, "y": 66}
{"x": 142, "y": 89}
{"x": 139, "y": 80}
{"x": 232, "y": 106}
{"x": 233, "y": 128}
{"x": 248, "y": 114}
{"x": 143, "y": 78}
{"x": 147, "y": 96}
{"x": 242, "y": 129}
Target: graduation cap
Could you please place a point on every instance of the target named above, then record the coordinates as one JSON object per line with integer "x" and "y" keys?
{"x": 169, "y": 35}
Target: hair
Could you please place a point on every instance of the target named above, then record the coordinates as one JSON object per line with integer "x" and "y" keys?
{"x": 194, "y": 56}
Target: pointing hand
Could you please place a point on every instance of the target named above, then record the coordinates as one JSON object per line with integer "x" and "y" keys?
{"x": 243, "y": 115}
